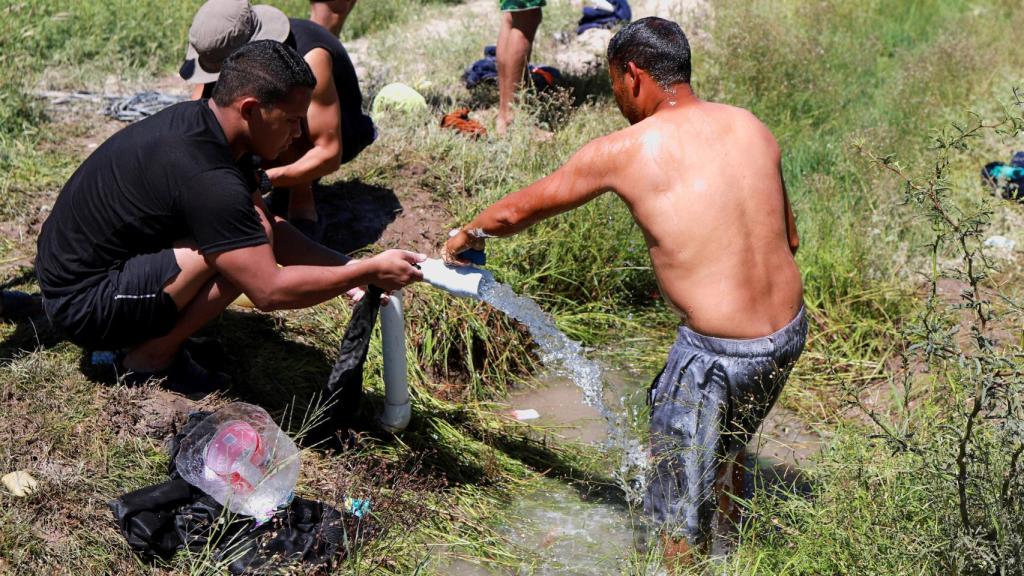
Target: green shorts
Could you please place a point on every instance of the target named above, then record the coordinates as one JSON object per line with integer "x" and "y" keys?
{"x": 520, "y": 5}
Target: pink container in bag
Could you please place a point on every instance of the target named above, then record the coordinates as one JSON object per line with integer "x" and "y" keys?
{"x": 235, "y": 454}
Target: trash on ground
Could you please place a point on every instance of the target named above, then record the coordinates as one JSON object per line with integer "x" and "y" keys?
{"x": 357, "y": 507}
{"x": 527, "y": 414}
{"x": 159, "y": 520}
{"x": 20, "y": 483}
{"x": 1006, "y": 179}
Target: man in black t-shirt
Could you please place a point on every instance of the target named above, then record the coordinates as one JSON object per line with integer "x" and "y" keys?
{"x": 336, "y": 131}
{"x": 163, "y": 225}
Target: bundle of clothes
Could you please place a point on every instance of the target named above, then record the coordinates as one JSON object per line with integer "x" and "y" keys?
{"x": 485, "y": 70}
{"x": 604, "y": 14}
{"x": 159, "y": 520}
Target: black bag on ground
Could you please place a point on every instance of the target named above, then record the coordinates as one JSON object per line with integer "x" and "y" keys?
{"x": 159, "y": 520}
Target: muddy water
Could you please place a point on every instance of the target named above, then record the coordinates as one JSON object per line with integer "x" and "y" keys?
{"x": 559, "y": 532}
{"x": 556, "y": 531}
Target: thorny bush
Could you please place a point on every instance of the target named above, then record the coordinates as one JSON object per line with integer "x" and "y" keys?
{"x": 966, "y": 349}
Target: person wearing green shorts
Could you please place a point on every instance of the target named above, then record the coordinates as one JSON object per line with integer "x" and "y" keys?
{"x": 519, "y": 22}
{"x": 517, "y": 5}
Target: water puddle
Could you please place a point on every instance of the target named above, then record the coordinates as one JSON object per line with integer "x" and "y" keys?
{"x": 558, "y": 532}
{"x": 564, "y": 415}
{"x": 569, "y": 535}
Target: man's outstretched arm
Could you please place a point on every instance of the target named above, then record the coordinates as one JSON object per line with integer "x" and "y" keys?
{"x": 584, "y": 177}
{"x": 254, "y": 270}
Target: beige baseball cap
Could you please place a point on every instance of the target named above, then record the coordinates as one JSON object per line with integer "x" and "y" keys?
{"x": 222, "y": 26}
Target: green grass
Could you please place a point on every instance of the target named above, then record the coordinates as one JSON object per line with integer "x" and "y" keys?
{"x": 823, "y": 76}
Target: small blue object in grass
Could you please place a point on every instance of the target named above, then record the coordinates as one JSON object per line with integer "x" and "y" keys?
{"x": 477, "y": 257}
{"x": 357, "y": 506}
{"x": 103, "y": 358}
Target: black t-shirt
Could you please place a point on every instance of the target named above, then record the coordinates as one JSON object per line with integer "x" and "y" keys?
{"x": 168, "y": 177}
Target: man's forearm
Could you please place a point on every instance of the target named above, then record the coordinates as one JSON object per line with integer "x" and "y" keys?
{"x": 317, "y": 162}
{"x": 292, "y": 248}
{"x": 498, "y": 220}
{"x": 294, "y": 287}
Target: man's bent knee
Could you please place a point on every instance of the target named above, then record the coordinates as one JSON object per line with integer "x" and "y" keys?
{"x": 194, "y": 273}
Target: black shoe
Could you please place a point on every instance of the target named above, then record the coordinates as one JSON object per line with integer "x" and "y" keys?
{"x": 207, "y": 352}
{"x": 183, "y": 376}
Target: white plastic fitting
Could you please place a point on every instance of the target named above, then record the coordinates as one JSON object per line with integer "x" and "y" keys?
{"x": 462, "y": 281}
{"x": 397, "y": 410}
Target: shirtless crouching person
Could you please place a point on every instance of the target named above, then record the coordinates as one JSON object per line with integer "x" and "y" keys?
{"x": 704, "y": 183}
{"x": 163, "y": 225}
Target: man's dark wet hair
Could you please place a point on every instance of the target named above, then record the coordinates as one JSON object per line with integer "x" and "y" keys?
{"x": 655, "y": 45}
{"x": 265, "y": 69}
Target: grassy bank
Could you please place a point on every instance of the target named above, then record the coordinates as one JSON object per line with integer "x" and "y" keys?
{"x": 827, "y": 78}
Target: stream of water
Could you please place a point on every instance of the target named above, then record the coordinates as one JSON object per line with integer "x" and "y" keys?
{"x": 566, "y": 357}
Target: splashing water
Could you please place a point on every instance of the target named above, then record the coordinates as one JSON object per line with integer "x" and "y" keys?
{"x": 565, "y": 356}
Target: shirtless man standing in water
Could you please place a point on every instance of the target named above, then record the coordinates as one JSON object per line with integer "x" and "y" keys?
{"x": 704, "y": 183}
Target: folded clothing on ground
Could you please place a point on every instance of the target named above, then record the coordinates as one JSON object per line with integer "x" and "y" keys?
{"x": 603, "y": 18}
{"x": 486, "y": 70}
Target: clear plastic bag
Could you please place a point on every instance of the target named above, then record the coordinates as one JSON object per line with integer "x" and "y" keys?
{"x": 240, "y": 457}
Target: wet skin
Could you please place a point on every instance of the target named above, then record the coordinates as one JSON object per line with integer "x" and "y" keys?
{"x": 704, "y": 183}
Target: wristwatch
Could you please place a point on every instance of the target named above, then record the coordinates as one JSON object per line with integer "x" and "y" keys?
{"x": 263, "y": 184}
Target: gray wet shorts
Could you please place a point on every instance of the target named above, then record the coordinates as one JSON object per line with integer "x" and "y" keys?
{"x": 705, "y": 405}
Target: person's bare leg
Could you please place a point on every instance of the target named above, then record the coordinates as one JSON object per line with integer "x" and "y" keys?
{"x": 200, "y": 295}
{"x": 729, "y": 486}
{"x": 301, "y": 204}
{"x": 515, "y": 42}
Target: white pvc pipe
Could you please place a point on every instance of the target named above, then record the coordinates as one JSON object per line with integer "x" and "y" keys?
{"x": 464, "y": 281}
{"x": 397, "y": 409}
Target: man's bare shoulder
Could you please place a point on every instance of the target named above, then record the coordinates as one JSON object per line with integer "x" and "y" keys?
{"x": 746, "y": 122}
{"x": 612, "y": 148}
{"x": 320, "y": 63}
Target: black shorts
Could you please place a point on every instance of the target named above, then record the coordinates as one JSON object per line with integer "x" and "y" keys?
{"x": 126, "y": 307}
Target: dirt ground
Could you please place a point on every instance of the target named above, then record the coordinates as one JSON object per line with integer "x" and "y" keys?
{"x": 356, "y": 214}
